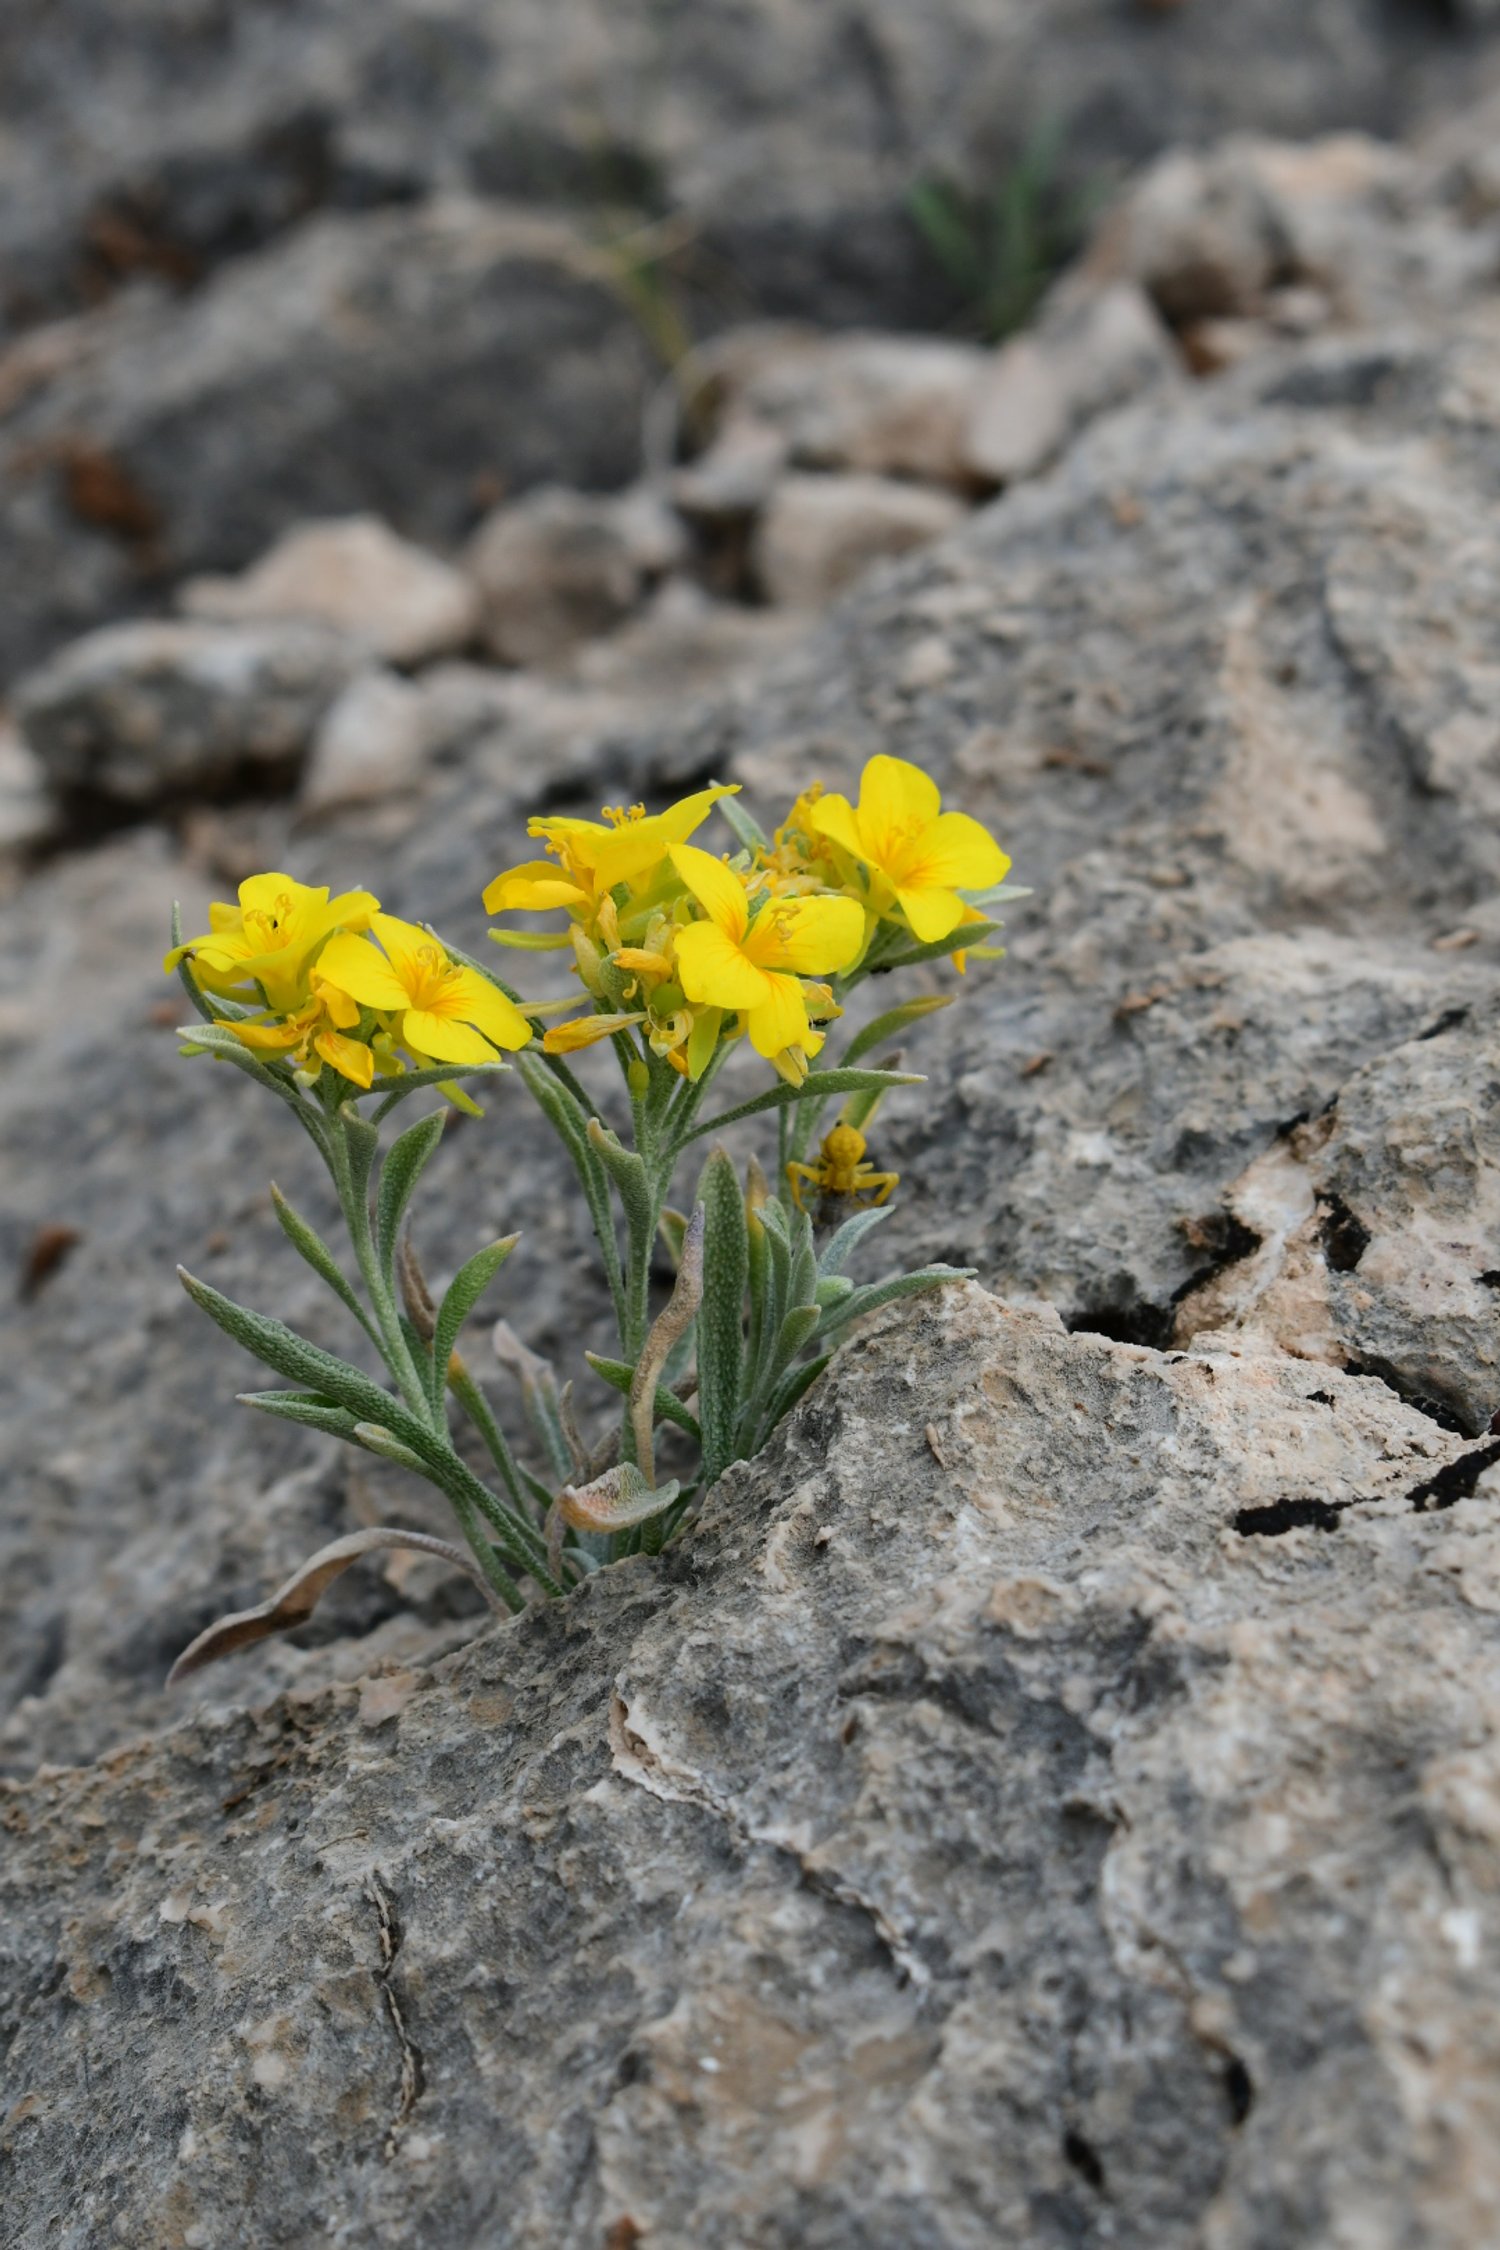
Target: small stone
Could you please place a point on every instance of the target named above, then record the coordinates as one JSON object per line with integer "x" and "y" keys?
{"x": 884, "y": 405}
{"x": 27, "y": 815}
{"x": 372, "y": 743}
{"x": 354, "y": 573}
{"x": 819, "y": 533}
{"x": 1205, "y": 237}
{"x": 559, "y": 568}
{"x": 137, "y": 713}
{"x": 734, "y": 478}
{"x": 1020, "y": 416}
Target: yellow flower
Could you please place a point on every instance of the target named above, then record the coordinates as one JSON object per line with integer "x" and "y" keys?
{"x": 314, "y": 1035}
{"x": 441, "y": 1010}
{"x": 728, "y": 961}
{"x": 269, "y": 939}
{"x": 924, "y": 855}
{"x": 593, "y": 856}
{"x": 586, "y": 1031}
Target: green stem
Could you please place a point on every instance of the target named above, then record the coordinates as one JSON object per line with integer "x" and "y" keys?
{"x": 393, "y": 1345}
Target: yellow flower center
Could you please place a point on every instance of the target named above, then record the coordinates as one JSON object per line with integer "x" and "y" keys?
{"x": 621, "y": 816}
{"x": 270, "y": 932}
{"x": 434, "y": 975}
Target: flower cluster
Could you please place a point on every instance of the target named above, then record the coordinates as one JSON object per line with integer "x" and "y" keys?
{"x": 691, "y": 951}
{"x": 681, "y": 953}
{"x": 313, "y": 980}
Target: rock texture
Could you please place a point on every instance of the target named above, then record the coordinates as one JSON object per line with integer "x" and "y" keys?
{"x": 1054, "y": 1796}
{"x": 1051, "y": 1798}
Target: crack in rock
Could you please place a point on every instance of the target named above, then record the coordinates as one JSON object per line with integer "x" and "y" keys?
{"x": 413, "y": 2075}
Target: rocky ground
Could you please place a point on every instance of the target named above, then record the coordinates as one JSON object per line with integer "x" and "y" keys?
{"x": 1053, "y": 1796}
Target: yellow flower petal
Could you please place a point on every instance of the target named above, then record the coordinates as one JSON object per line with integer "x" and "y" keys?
{"x": 717, "y": 889}
{"x": 269, "y": 1038}
{"x": 896, "y": 801}
{"x": 586, "y": 1031}
{"x": 361, "y": 970}
{"x": 931, "y": 913}
{"x": 814, "y": 936}
{"x": 473, "y": 999}
{"x": 954, "y": 854}
{"x": 443, "y": 1039}
{"x": 834, "y": 817}
{"x": 349, "y": 1057}
{"x": 711, "y": 968}
{"x": 410, "y": 949}
{"x": 780, "y": 1019}
{"x": 538, "y": 886}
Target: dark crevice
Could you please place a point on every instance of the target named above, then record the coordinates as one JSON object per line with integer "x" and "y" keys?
{"x": 1239, "y": 2090}
{"x": 1441, "y": 1411}
{"x": 1447, "y": 1486}
{"x": 1449, "y": 1020}
{"x": 1224, "y": 1239}
{"x": 1278, "y": 1516}
{"x": 1084, "y": 2158}
{"x": 1133, "y": 1323}
{"x": 1343, "y": 1237}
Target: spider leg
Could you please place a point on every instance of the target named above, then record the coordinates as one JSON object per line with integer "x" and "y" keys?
{"x": 885, "y": 1182}
{"x": 795, "y": 1174}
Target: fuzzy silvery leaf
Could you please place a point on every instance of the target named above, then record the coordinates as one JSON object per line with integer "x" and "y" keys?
{"x": 785, "y": 1097}
{"x": 721, "y": 1345}
{"x": 309, "y": 1244}
{"x": 286, "y": 1353}
{"x": 409, "y": 1156}
{"x": 463, "y": 1294}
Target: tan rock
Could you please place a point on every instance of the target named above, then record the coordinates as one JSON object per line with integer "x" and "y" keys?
{"x": 558, "y": 568}
{"x": 1020, "y": 416}
{"x": 353, "y": 572}
{"x": 889, "y": 405}
{"x": 819, "y": 533}
{"x": 371, "y": 743}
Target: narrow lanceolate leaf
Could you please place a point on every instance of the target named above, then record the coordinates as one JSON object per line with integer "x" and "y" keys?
{"x": 802, "y": 1285}
{"x": 286, "y": 1353}
{"x": 306, "y": 1407}
{"x": 620, "y": 1375}
{"x": 815, "y": 1088}
{"x": 799, "y": 1324}
{"x": 878, "y": 1293}
{"x": 310, "y": 1245}
{"x": 293, "y": 1603}
{"x": 794, "y": 1387}
{"x": 463, "y": 1294}
{"x": 742, "y": 825}
{"x": 416, "y": 1081}
{"x": 833, "y": 1288}
{"x": 721, "y": 1342}
{"x": 409, "y": 1156}
{"x": 670, "y": 1325}
{"x": 961, "y": 940}
{"x": 845, "y": 1240}
{"x": 893, "y": 1022}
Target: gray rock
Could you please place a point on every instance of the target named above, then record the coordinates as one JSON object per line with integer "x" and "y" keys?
{"x": 559, "y": 568}
{"x": 881, "y": 405}
{"x": 1053, "y": 1789}
{"x": 27, "y": 814}
{"x": 135, "y": 713}
{"x": 394, "y": 362}
{"x": 372, "y": 742}
{"x": 404, "y": 604}
{"x": 818, "y": 534}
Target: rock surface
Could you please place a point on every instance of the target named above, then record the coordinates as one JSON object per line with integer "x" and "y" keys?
{"x": 818, "y": 534}
{"x": 354, "y": 574}
{"x": 1051, "y": 1797}
{"x": 136, "y": 713}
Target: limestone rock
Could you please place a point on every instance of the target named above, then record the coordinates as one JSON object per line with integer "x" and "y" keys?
{"x": 882, "y": 405}
{"x": 371, "y": 742}
{"x": 818, "y": 533}
{"x": 359, "y": 366}
{"x": 135, "y": 713}
{"x": 353, "y": 573}
{"x": 27, "y": 814}
{"x": 1052, "y": 1790}
{"x": 559, "y": 568}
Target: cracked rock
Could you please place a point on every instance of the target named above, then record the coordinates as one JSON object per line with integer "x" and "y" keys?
{"x": 1004, "y": 1809}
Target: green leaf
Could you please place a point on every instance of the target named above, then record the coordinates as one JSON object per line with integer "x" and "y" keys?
{"x": 376, "y": 1438}
{"x": 721, "y": 1343}
{"x": 795, "y": 1387}
{"x": 894, "y": 1021}
{"x": 286, "y": 1353}
{"x": 310, "y": 1245}
{"x": 878, "y": 1293}
{"x": 832, "y": 1290}
{"x": 743, "y": 825}
{"x": 409, "y": 1156}
{"x": 629, "y": 1175}
{"x": 416, "y": 1081}
{"x": 619, "y": 1374}
{"x": 462, "y": 1295}
{"x": 796, "y": 1328}
{"x": 307, "y": 1407}
{"x": 967, "y": 934}
{"x": 845, "y": 1240}
{"x": 533, "y": 941}
{"x": 823, "y": 1082}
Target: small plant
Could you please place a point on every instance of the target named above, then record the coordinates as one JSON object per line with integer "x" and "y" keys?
{"x": 330, "y": 1004}
{"x": 1001, "y": 250}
